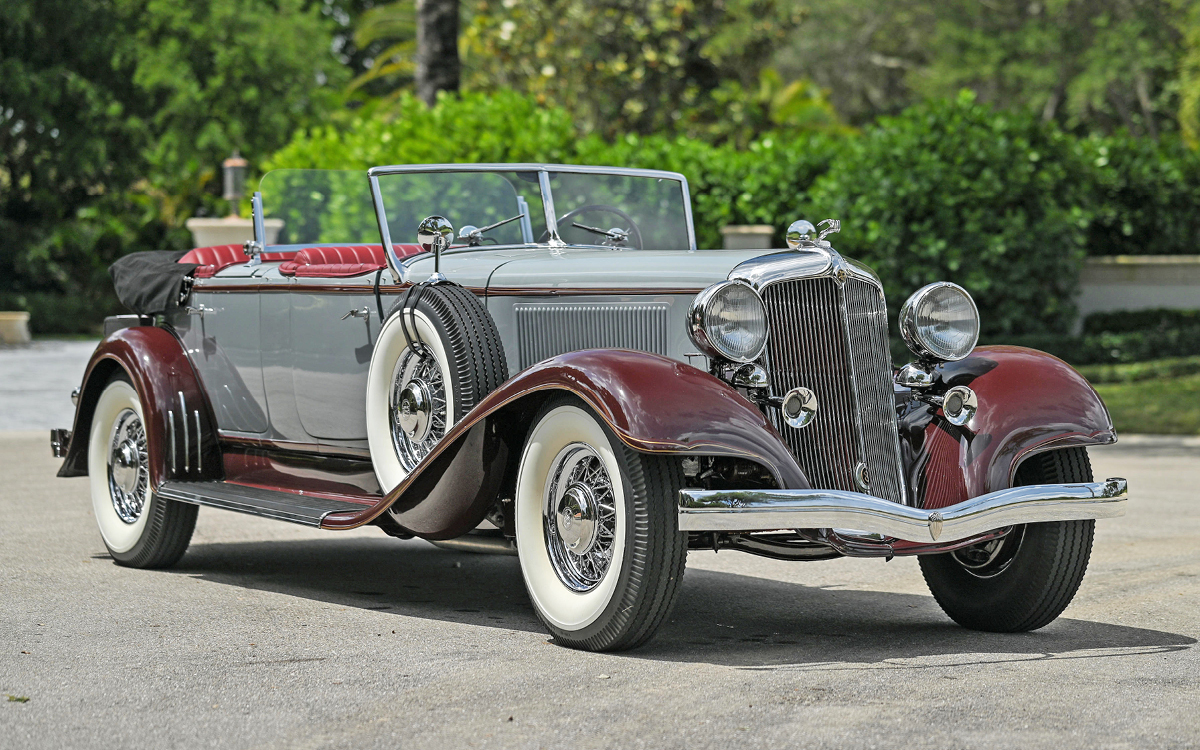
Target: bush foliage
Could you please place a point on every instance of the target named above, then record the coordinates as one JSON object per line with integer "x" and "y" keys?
{"x": 948, "y": 190}
{"x": 1001, "y": 202}
{"x": 952, "y": 190}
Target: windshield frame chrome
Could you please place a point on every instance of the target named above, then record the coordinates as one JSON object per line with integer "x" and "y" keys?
{"x": 544, "y": 171}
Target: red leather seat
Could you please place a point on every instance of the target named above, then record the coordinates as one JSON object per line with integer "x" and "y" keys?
{"x": 213, "y": 259}
{"x": 341, "y": 261}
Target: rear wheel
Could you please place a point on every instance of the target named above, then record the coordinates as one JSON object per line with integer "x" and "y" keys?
{"x": 140, "y": 529}
{"x": 600, "y": 550}
{"x": 1024, "y": 580}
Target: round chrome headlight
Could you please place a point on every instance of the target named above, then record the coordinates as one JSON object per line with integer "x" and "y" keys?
{"x": 940, "y": 321}
{"x": 728, "y": 321}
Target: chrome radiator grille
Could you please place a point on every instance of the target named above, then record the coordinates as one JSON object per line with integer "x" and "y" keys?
{"x": 548, "y": 329}
{"x": 834, "y": 341}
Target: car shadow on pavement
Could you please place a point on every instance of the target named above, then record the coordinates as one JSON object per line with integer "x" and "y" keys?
{"x": 753, "y": 622}
{"x": 720, "y": 618}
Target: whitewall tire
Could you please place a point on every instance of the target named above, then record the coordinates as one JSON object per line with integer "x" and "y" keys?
{"x": 438, "y": 355}
{"x": 393, "y": 366}
{"x": 138, "y": 528}
{"x": 596, "y": 531}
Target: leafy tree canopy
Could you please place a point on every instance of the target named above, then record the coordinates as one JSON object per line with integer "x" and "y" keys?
{"x": 688, "y": 66}
{"x": 115, "y": 115}
{"x": 1090, "y": 65}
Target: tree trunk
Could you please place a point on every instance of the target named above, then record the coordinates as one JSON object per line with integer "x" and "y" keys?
{"x": 437, "y": 48}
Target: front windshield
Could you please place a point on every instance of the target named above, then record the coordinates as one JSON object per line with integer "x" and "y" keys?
{"x": 487, "y": 206}
{"x": 468, "y": 200}
{"x": 649, "y": 210}
{"x": 622, "y": 208}
{"x": 319, "y": 206}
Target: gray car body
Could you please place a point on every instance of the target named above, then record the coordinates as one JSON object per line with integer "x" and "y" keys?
{"x": 283, "y": 364}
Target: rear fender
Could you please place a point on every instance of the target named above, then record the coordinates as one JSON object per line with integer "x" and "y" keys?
{"x": 1029, "y": 402}
{"x": 155, "y": 362}
{"x": 653, "y": 404}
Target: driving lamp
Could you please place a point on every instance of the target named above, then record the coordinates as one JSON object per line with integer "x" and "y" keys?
{"x": 940, "y": 321}
{"x": 728, "y": 321}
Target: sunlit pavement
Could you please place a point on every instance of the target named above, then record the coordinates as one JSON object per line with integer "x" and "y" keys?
{"x": 36, "y": 383}
{"x": 272, "y": 635}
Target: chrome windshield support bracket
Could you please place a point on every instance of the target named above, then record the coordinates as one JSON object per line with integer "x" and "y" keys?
{"x": 770, "y": 510}
{"x": 548, "y": 206}
{"x": 254, "y": 248}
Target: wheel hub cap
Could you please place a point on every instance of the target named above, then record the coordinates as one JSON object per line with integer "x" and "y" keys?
{"x": 125, "y": 467}
{"x": 580, "y": 519}
{"x": 415, "y": 410}
{"x": 577, "y": 519}
{"x": 128, "y": 467}
{"x": 418, "y": 408}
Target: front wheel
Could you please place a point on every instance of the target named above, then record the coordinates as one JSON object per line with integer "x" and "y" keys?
{"x": 597, "y": 537}
{"x": 1024, "y": 580}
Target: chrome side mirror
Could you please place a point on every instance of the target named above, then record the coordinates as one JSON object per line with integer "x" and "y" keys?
{"x": 434, "y": 235}
{"x": 800, "y": 233}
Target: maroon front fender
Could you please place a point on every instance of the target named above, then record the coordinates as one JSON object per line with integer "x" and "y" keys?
{"x": 1029, "y": 402}
{"x": 653, "y": 404}
{"x": 158, "y": 367}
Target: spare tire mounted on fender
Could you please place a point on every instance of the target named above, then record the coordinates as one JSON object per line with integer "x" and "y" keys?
{"x": 438, "y": 355}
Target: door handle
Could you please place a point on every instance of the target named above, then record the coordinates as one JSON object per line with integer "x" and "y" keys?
{"x": 202, "y": 310}
{"x": 364, "y": 313}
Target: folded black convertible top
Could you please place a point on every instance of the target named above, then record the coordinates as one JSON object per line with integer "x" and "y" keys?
{"x": 149, "y": 283}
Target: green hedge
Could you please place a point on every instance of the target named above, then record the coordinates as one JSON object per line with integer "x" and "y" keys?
{"x": 1143, "y": 195}
{"x": 763, "y": 184}
{"x": 1000, "y": 202}
{"x": 1132, "y": 321}
{"x": 949, "y": 189}
{"x": 952, "y": 190}
{"x": 1112, "y": 348}
{"x": 1135, "y": 372}
{"x": 51, "y": 313}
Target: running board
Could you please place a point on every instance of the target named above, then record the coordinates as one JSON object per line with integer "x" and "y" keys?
{"x": 256, "y": 501}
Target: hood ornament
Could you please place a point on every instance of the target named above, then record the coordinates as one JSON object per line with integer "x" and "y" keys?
{"x": 832, "y": 226}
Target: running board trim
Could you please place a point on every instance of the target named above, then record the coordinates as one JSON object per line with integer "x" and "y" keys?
{"x": 256, "y": 501}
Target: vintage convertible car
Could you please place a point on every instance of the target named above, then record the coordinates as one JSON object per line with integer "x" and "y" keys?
{"x": 569, "y": 378}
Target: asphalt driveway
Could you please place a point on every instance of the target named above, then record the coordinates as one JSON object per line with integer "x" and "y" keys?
{"x": 271, "y": 635}
{"x": 277, "y": 636}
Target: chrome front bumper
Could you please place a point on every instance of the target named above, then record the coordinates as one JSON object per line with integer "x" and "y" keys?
{"x": 769, "y": 510}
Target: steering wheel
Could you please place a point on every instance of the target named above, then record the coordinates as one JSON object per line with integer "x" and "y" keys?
{"x": 635, "y": 234}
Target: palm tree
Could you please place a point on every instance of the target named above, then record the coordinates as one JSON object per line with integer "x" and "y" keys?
{"x": 437, "y": 48}
{"x": 423, "y": 49}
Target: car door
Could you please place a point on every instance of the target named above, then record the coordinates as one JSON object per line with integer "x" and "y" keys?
{"x": 220, "y": 330}
{"x": 334, "y": 324}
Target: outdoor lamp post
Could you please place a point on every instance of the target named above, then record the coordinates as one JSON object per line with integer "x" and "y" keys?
{"x": 235, "y": 168}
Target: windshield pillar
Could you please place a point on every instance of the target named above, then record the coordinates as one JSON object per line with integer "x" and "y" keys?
{"x": 548, "y": 206}
{"x": 385, "y": 234}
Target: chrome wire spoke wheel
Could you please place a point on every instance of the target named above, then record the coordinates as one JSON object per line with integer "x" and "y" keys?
{"x": 417, "y": 407}
{"x": 1024, "y": 580}
{"x": 128, "y": 467}
{"x": 139, "y": 529}
{"x": 579, "y": 517}
{"x": 596, "y": 532}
